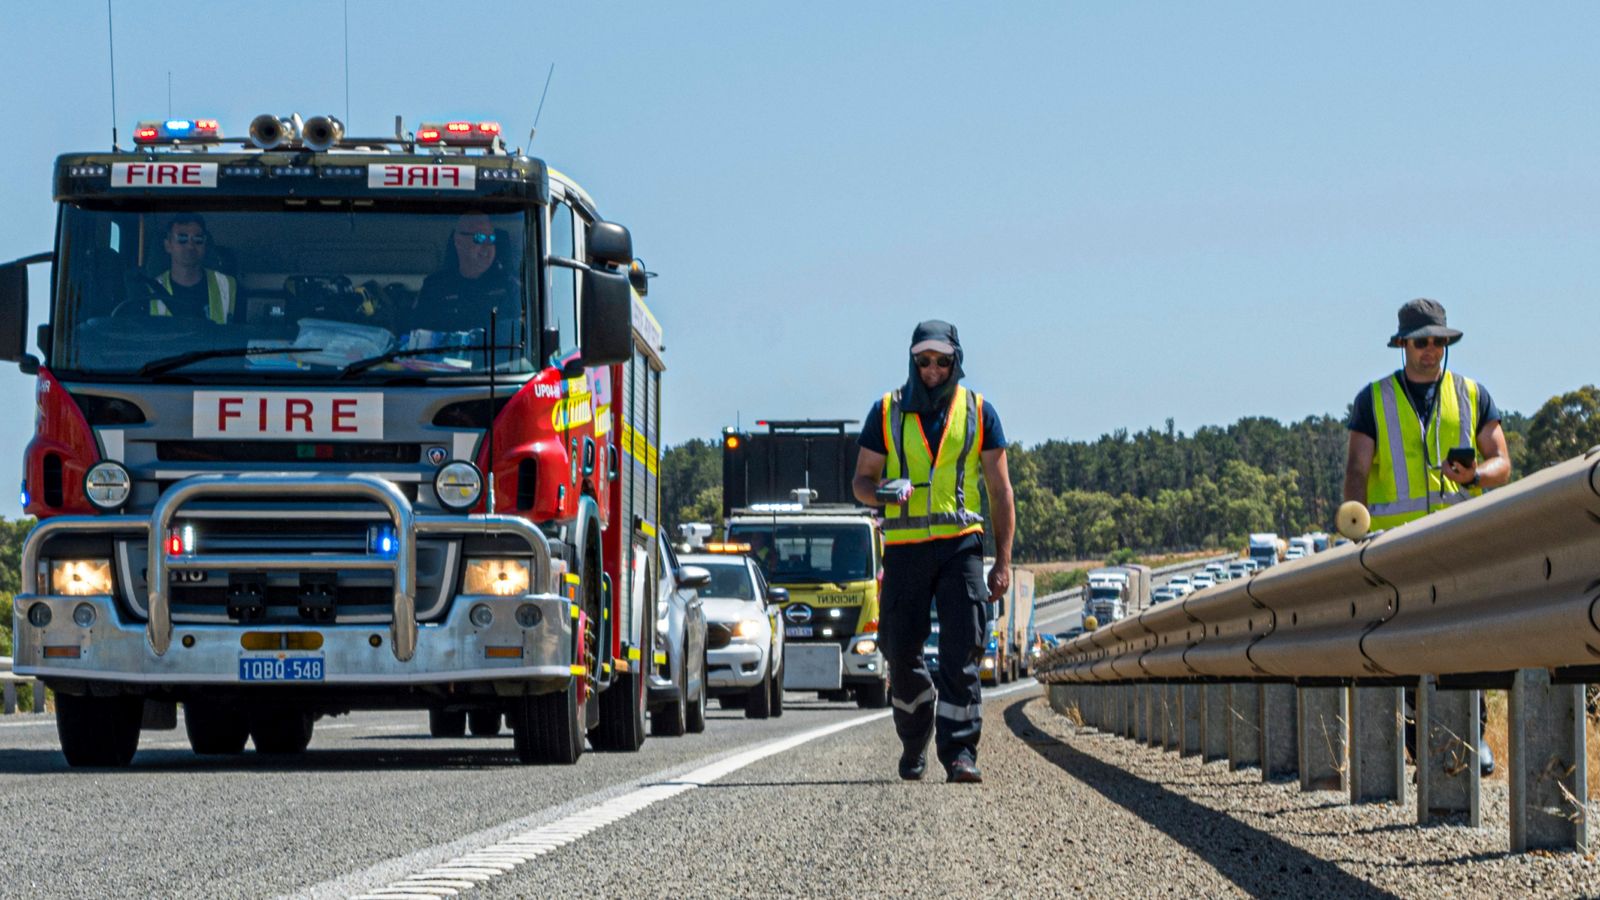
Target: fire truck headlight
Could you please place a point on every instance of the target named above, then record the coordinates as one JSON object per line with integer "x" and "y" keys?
{"x": 500, "y": 577}
{"x": 107, "y": 485}
{"x": 458, "y": 486}
{"x": 80, "y": 577}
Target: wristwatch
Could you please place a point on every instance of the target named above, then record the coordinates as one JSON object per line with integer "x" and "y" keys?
{"x": 1474, "y": 481}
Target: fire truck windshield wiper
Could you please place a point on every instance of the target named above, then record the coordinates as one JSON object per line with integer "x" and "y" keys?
{"x": 361, "y": 365}
{"x": 176, "y": 361}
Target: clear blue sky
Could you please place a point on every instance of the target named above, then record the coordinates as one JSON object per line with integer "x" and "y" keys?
{"x": 1132, "y": 211}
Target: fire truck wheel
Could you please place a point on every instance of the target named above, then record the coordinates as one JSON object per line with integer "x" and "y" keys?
{"x": 695, "y": 715}
{"x": 484, "y": 722}
{"x": 621, "y": 715}
{"x": 98, "y": 731}
{"x": 873, "y": 696}
{"x": 278, "y": 730}
{"x": 215, "y": 727}
{"x": 758, "y": 703}
{"x": 672, "y": 720}
{"x": 447, "y": 723}
{"x": 545, "y": 729}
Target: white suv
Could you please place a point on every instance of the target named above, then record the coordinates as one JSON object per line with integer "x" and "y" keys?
{"x": 744, "y": 644}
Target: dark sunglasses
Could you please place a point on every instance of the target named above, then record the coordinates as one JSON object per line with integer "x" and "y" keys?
{"x": 478, "y": 237}
{"x": 1422, "y": 343}
{"x": 942, "y": 361}
{"x": 197, "y": 239}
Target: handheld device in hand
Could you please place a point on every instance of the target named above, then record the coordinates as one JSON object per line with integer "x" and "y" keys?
{"x": 890, "y": 491}
{"x": 1465, "y": 457}
{"x": 1353, "y": 520}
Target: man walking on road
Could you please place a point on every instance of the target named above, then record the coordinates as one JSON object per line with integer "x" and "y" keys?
{"x": 1423, "y": 439}
{"x": 923, "y": 448}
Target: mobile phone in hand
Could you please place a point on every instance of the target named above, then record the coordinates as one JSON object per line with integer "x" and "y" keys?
{"x": 1465, "y": 457}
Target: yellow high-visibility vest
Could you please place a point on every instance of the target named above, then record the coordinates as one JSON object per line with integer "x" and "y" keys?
{"x": 944, "y": 500}
{"x": 220, "y": 291}
{"x": 1407, "y": 480}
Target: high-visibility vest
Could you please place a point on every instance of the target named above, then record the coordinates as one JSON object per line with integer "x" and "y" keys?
{"x": 220, "y": 291}
{"x": 944, "y": 499}
{"x": 1406, "y": 480}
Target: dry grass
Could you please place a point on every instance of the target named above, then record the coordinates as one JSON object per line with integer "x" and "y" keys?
{"x": 1497, "y": 736}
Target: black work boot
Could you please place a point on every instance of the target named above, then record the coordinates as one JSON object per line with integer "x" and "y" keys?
{"x": 913, "y": 764}
{"x": 963, "y": 771}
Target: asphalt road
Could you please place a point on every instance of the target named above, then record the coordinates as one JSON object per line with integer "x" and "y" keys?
{"x": 805, "y": 805}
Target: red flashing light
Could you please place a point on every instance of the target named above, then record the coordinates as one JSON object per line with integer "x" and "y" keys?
{"x": 459, "y": 127}
{"x": 147, "y": 134}
{"x": 205, "y": 125}
{"x": 175, "y": 544}
{"x": 761, "y": 422}
{"x": 428, "y": 136}
{"x": 489, "y": 127}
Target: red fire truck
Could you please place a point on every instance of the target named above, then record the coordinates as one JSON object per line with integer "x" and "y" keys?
{"x": 330, "y": 423}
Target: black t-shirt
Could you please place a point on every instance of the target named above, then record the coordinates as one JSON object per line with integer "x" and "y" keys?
{"x": 449, "y": 302}
{"x": 1423, "y": 395}
{"x": 994, "y": 436}
{"x": 190, "y": 301}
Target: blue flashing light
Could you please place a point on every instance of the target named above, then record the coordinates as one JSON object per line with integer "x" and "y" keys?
{"x": 381, "y": 541}
{"x": 178, "y": 124}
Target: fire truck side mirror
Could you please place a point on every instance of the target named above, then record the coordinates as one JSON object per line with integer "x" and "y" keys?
{"x": 605, "y": 335}
{"x": 610, "y": 244}
{"x": 14, "y": 316}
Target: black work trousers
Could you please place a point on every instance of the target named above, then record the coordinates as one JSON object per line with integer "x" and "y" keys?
{"x": 947, "y": 574}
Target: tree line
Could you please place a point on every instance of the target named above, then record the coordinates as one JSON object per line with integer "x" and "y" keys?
{"x": 1161, "y": 490}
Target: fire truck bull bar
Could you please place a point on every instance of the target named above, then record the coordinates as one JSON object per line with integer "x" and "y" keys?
{"x": 407, "y": 524}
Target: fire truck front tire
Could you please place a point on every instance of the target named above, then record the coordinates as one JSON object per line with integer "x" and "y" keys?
{"x": 447, "y": 723}
{"x": 545, "y": 727}
{"x": 758, "y": 703}
{"x": 622, "y": 708}
{"x": 98, "y": 731}
{"x": 215, "y": 728}
{"x": 484, "y": 722}
{"x": 279, "y": 730}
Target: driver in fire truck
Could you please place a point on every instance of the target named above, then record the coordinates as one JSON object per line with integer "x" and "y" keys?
{"x": 473, "y": 281}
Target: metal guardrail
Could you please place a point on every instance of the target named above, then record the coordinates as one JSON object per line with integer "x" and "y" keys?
{"x": 9, "y": 681}
{"x": 1311, "y": 655}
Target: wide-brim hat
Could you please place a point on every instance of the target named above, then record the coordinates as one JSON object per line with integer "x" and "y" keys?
{"x": 1423, "y": 318}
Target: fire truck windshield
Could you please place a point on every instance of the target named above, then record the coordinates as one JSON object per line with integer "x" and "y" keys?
{"x": 290, "y": 294}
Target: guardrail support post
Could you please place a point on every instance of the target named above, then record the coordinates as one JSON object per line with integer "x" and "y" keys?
{"x": 1323, "y": 718}
{"x": 10, "y": 691}
{"x": 1280, "y": 746}
{"x": 1055, "y": 693}
{"x": 1193, "y": 714}
{"x": 1214, "y": 724}
{"x": 1447, "y": 753}
{"x": 1172, "y": 735}
{"x": 1130, "y": 710}
{"x": 1155, "y": 714}
{"x": 1377, "y": 744}
{"x": 1549, "y": 765}
{"x": 39, "y": 692}
{"x": 1244, "y": 728}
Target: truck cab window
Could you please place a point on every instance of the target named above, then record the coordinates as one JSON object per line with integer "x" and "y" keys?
{"x": 563, "y": 281}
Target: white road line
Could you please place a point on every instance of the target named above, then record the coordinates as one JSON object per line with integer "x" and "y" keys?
{"x": 486, "y": 863}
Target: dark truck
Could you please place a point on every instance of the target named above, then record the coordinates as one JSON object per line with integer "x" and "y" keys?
{"x": 787, "y": 502}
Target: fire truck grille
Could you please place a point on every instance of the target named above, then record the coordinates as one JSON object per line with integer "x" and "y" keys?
{"x": 288, "y": 451}
{"x": 359, "y": 596}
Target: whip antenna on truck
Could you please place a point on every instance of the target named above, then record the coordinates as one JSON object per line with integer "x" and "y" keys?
{"x": 540, "y": 111}
{"x": 111, "y": 45}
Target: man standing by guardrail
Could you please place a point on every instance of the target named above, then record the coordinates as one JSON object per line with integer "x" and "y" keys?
{"x": 1423, "y": 438}
{"x": 936, "y": 438}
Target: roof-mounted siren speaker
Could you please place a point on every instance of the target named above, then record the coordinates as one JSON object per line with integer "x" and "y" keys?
{"x": 269, "y": 132}
{"x": 321, "y": 132}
